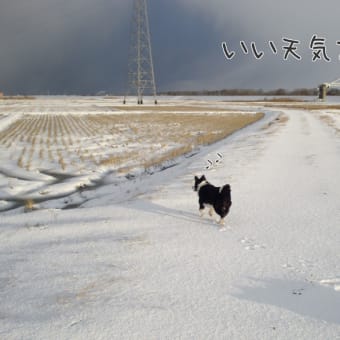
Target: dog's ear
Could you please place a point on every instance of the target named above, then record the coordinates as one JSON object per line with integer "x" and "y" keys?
{"x": 203, "y": 178}
{"x": 196, "y": 178}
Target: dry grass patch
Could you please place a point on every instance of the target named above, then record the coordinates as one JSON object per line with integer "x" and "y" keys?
{"x": 330, "y": 121}
{"x": 176, "y": 134}
{"x": 29, "y": 205}
{"x": 305, "y": 106}
{"x": 118, "y": 159}
{"x": 284, "y": 100}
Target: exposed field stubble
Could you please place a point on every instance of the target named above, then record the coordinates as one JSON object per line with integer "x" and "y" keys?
{"x": 74, "y": 142}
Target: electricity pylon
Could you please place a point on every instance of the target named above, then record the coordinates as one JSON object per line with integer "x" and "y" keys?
{"x": 141, "y": 77}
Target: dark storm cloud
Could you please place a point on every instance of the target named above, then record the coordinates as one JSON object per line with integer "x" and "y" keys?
{"x": 262, "y": 21}
{"x": 57, "y": 46}
{"x": 81, "y": 46}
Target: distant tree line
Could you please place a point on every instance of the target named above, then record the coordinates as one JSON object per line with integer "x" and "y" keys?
{"x": 253, "y": 92}
{"x": 19, "y": 97}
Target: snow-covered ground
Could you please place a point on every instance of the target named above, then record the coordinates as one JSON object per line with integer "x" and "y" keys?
{"x": 137, "y": 262}
{"x": 53, "y": 147}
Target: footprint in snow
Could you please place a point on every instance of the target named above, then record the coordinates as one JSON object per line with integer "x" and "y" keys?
{"x": 250, "y": 244}
{"x": 303, "y": 266}
{"x": 298, "y": 291}
{"x": 224, "y": 228}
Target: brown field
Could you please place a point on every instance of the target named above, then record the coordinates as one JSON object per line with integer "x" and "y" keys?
{"x": 171, "y": 108}
{"x": 183, "y": 132}
{"x": 74, "y": 142}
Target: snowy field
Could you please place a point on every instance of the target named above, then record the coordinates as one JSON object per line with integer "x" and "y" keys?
{"x": 53, "y": 147}
{"x": 135, "y": 260}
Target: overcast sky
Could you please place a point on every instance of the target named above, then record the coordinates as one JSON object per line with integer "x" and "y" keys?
{"x": 81, "y": 46}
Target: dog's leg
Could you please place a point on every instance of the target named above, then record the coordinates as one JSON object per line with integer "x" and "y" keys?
{"x": 221, "y": 222}
{"x": 201, "y": 209}
{"x": 211, "y": 211}
{"x": 201, "y": 212}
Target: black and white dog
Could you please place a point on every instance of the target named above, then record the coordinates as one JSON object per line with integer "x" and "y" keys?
{"x": 218, "y": 198}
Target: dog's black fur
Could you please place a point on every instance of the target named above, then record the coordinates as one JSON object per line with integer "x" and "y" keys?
{"x": 217, "y": 197}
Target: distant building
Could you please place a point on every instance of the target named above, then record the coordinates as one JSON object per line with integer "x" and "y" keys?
{"x": 1, "y": 94}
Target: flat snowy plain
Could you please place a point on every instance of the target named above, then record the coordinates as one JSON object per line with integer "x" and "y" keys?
{"x": 135, "y": 261}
